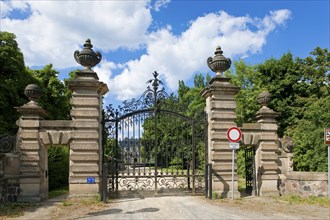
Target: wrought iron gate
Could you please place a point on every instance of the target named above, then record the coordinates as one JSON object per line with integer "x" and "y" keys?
{"x": 152, "y": 145}
{"x": 250, "y": 170}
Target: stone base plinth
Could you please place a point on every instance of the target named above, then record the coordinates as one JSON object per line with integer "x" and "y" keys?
{"x": 226, "y": 194}
{"x": 268, "y": 188}
{"x": 223, "y": 189}
{"x": 84, "y": 190}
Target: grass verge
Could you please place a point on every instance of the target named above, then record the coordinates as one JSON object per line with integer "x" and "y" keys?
{"x": 58, "y": 192}
{"x": 14, "y": 210}
{"x": 311, "y": 200}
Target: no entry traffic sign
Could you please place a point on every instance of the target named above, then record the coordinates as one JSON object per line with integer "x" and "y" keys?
{"x": 234, "y": 134}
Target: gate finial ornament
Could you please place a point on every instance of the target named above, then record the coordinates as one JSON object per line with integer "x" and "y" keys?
{"x": 87, "y": 57}
{"x": 219, "y": 63}
{"x": 33, "y": 92}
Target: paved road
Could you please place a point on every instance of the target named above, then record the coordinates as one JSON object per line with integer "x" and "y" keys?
{"x": 174, "y": 207}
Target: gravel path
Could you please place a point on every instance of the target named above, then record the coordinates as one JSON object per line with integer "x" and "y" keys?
{"x": 147, "y": 206}
{"x": 180, "y": 207}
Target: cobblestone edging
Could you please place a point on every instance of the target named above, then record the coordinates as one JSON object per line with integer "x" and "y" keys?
{"x": 9, "y": 189}
{"x": 304, "y": 184}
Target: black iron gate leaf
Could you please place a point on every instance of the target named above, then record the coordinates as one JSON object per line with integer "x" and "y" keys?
{"x": 152, "y": 145}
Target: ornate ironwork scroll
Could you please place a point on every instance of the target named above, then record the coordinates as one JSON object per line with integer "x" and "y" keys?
{"x": 7, "y": 143}
{"x": 152, "y": 145}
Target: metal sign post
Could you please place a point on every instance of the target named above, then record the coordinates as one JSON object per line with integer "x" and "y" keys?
{"x": 234, "y": 135}
{"x": 327, "y": 142}
{"x": 329, "y": 171}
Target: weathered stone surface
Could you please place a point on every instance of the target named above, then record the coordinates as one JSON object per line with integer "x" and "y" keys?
{"x": 30, "y": 169}
{"x": 85, "y": 135}
{"x": 29, "y": 134}
{"x": 78, "y": 189}
{"x": 86, "y": 124}
{"x": 269, "y": 136}
{"x": 269, "y": 156}
{"x": 84, "y": 168}
{"x": 55, "y": 137}
{"x": 223, "y": 105}
{"x": 30, "y": 157}
{"x": 269, "y": 147}
{"x": 250, "y": 139}
{"x": 56, "y": 124}
{"x": 216, "y": 115}
{"x": 219, "y": 136}
{"x": 29, "y": 123}
{"x": 30, "y": 146}
{"x": 270, "y": 167}
{"x": 304, "y": 184}
{"x": 222, "y": 156}
{"x": 307, "y": 176}
{"x": 223, "y": 167}
{"x": 269, "y": 127}
{"x": 85, "y": 102}
{"x": 85, "y": 157}
{"x": 84, "y": 146}
{"x": 85, "y": 113}
{"x": 29, "y": 164}
{"x": 215, "y": 125}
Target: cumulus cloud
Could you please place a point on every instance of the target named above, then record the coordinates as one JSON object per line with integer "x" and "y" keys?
{"x": 56, "y": 28}
{"x": 180, "y": 57}
{"x": 7, "y": 7}
{"x": 161, "y": 3}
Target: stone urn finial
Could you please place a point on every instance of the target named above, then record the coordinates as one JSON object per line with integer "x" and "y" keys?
{"x": 219, "y": 63}
{"x": 264, "y": 98}
{"x": 87, "y": 57}
{"x": 33, "y": 92}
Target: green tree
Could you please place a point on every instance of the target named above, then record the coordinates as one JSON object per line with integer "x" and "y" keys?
{"x": 55, "y": 97}
{"x": 300, "y": 89}
{"x": 14, "y": 78}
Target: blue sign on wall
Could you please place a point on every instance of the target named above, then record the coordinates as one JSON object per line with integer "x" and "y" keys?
{"x": 90, "y": 180}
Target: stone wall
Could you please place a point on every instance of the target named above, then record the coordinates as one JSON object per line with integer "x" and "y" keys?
{"x": 304, "y": 184}
{"x": 10, "y": 189}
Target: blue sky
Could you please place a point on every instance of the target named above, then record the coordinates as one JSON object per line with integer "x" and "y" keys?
{"x": 172, "y": 37}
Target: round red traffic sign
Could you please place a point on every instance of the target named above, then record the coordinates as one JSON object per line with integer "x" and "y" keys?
{"x": 234, "y": 134}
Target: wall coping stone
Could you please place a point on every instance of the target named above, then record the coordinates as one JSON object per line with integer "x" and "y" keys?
{"x": 307, "y": 176}
{"x": 56, "y": 124}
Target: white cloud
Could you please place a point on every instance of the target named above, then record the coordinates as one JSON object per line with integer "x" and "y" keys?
{"x": 161, "y": 3}
{"x": 56, "y": 28}
{"x": 179, "y": 57}
{"x": 9, "y": 6}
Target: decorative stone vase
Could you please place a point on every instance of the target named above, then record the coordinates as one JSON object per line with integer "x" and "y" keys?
{"x": 33, "y": 92}
{"x": 87, "y": 57}
{"x": 264, "y": 98}
{"x": 219, "y": 63}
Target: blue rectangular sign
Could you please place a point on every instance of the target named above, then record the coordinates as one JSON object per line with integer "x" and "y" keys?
{"x": 90, "y": 180}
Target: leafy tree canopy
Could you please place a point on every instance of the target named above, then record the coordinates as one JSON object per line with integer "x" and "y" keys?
{"x": 300, "y": 93}
{"x": 14, "y": 78}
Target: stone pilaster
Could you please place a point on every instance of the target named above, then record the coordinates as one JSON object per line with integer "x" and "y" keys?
{"x": 33, "y": 166}
{"x": 267, "y": 153}
{"x": 220, "y": 107}
{"x": 86, "y": 144}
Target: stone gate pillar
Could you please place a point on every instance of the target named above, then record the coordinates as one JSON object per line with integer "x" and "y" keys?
{"x": 220, "y": 107}
{"x": 33, "y": 169}
{"x": 267, "y": 152}
{"x": 86, "y": 145}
